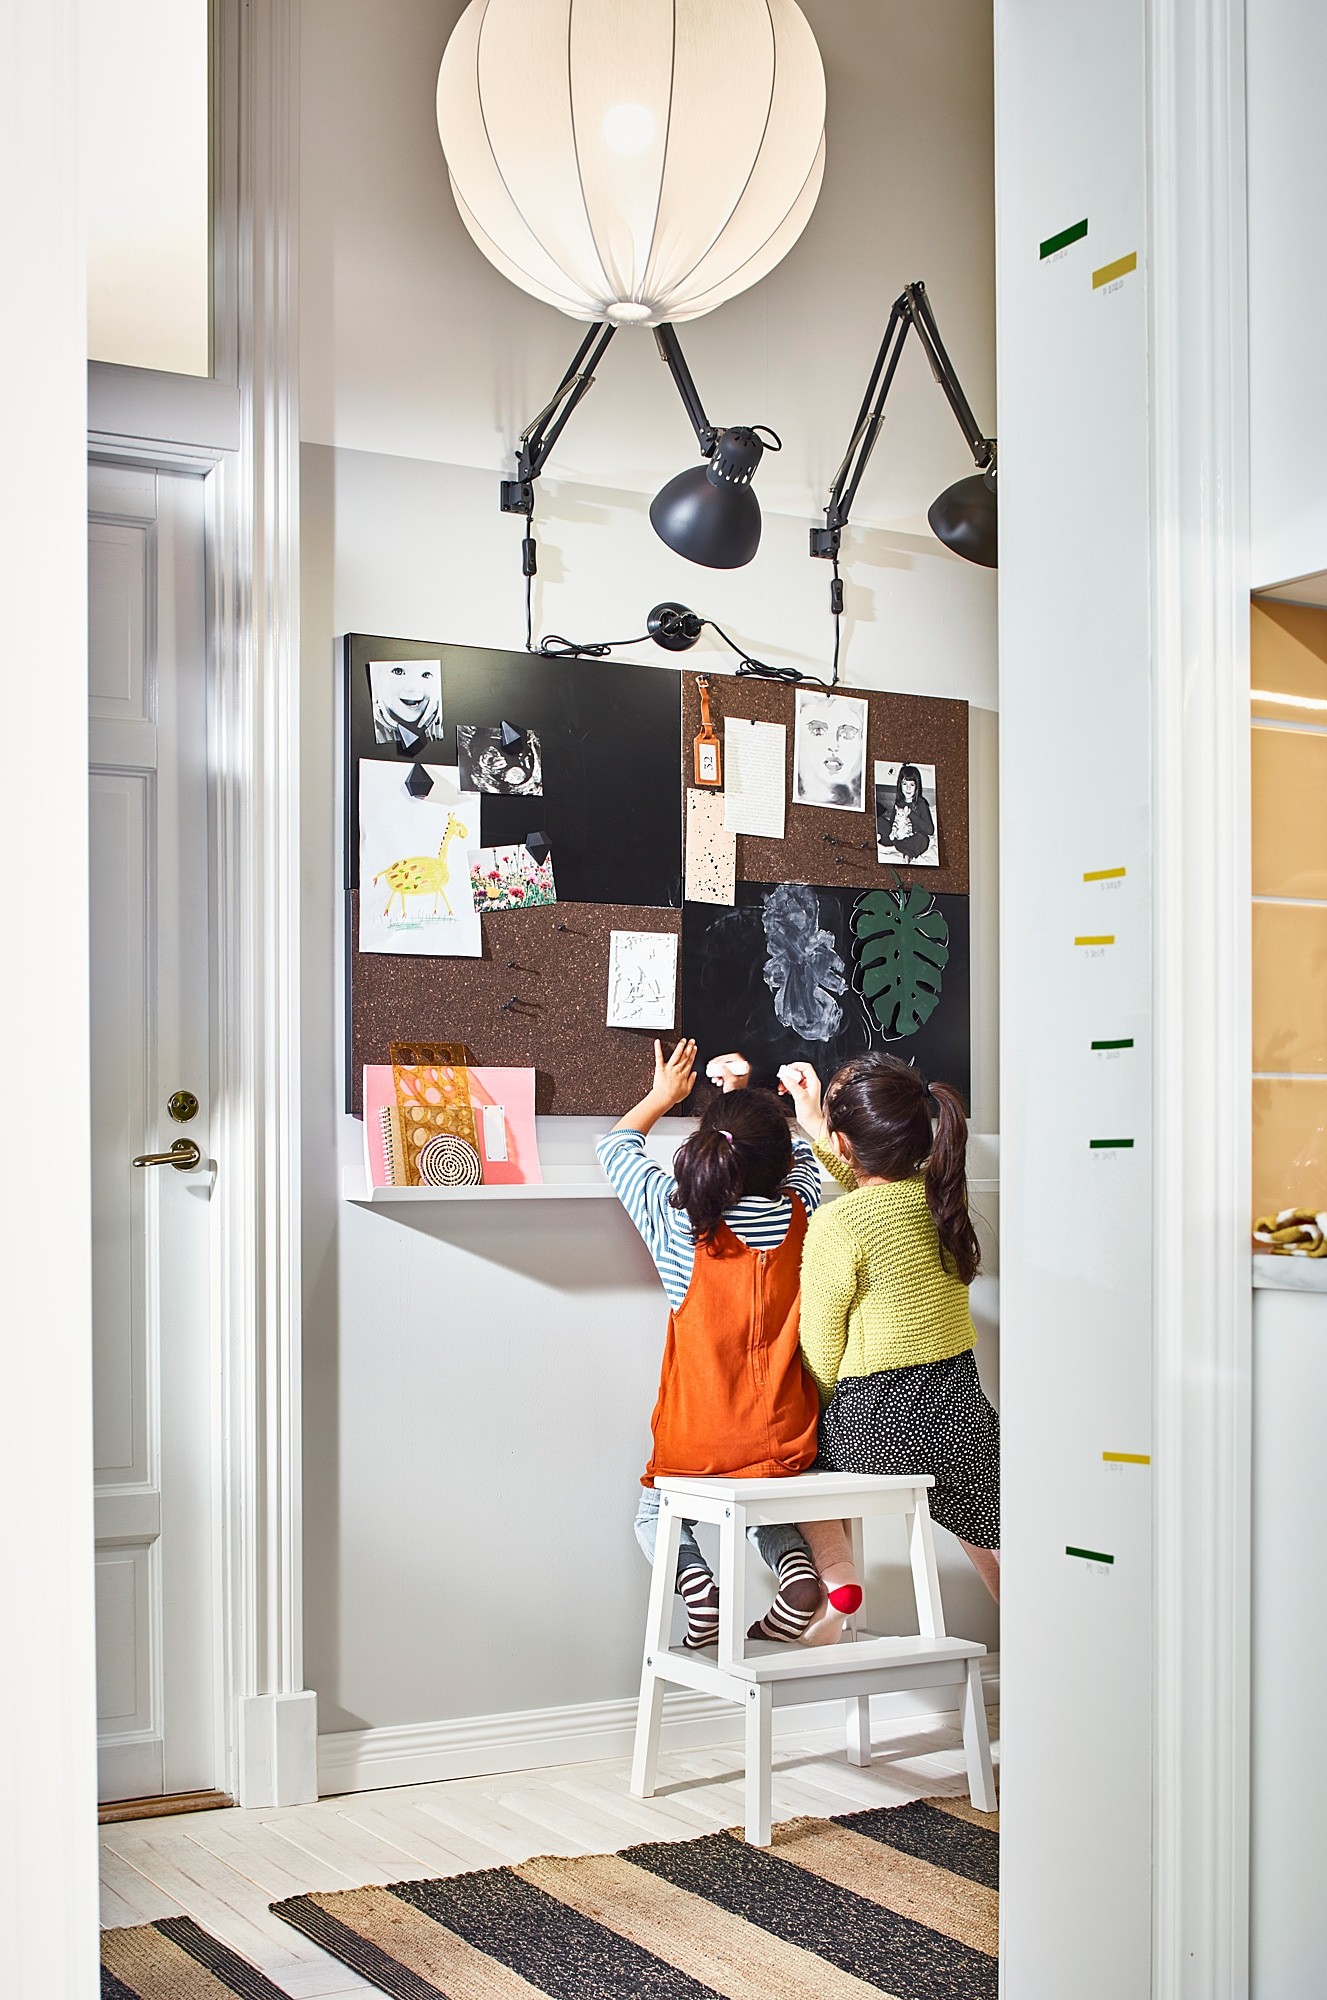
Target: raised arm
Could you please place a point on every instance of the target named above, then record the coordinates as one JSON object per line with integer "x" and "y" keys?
{"x": 674, "y": 1076}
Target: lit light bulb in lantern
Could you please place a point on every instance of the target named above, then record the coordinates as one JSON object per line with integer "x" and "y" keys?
{"x": 629, "y": 128}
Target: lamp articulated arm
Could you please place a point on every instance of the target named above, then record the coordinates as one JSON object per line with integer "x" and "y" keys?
{"x": 539, "y": 437}
{"x": 707, "y": 514}
{"x": 670, "y": 348}
{"x": 911, "y": 312}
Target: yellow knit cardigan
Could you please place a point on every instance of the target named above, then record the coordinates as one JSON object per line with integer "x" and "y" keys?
{"x": 875, "y": 1293}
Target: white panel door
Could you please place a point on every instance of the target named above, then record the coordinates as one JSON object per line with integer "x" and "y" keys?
{"x": 152, "y": 1367}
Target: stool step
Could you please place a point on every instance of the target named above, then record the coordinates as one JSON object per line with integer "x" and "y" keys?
{"x": 865, "y": 1654}
{"x": 826, "y": 1485}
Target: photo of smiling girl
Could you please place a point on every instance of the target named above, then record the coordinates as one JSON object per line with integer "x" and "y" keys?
{"x": 407, "y": 701}
{"x": 829, "y": 751}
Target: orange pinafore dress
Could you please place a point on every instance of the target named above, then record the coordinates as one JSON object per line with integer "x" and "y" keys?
{"x": 734, "y": 1399}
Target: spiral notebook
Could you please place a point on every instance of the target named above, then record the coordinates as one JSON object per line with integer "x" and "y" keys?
{"x": 503, "y": 1101}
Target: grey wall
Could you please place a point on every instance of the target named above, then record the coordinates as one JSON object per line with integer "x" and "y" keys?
{"x": 479, "y": 1388}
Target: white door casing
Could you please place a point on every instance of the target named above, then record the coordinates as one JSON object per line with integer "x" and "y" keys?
{"x": 150, "y": 989}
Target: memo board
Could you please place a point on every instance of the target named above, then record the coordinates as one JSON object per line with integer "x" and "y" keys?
{"x": 616, "y": 754}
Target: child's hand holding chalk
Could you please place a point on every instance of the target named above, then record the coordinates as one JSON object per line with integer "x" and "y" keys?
{"x": 730, "y": 1072}
{"x": 803, "y": 1086}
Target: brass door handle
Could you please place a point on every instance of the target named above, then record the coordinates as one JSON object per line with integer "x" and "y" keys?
{"x": 183, "y": 1155}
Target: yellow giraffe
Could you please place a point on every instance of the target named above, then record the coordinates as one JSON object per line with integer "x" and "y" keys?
{"x": 423, "y": 874}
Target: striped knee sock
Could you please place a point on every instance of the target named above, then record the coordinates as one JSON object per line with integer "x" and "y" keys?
{"x": 797, "y": 1601}
{"x": 700, "y": 1594}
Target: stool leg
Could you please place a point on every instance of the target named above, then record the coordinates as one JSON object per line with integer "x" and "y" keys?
{"x": 759, "y": 1752}
{"x": 925, "y": 1575}
{"x": 732, "y": 1586}
{"x": 858, "y": 1542}
{"x": 859, "y": 1729}
{"x": 658, "y": 1631}
{"x": 977, "y": 1742}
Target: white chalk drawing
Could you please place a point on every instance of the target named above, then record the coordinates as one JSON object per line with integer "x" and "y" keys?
{"x": 803, "y": 970}
{"x": 642, "y": 979}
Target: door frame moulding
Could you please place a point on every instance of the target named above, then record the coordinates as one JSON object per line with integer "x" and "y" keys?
{"x": 268, "y": 1719}
{"x": 1198, "y": 292}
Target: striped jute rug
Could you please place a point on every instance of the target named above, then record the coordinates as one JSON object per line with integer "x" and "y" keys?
{"x": 900, "y": 1901}
{"x": 174, "y": 1960}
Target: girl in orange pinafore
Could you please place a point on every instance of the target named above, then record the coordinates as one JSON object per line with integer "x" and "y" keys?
{"x": 726, "y": 1230}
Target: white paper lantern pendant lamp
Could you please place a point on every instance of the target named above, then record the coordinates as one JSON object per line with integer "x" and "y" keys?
{"x": 635, "y": 161}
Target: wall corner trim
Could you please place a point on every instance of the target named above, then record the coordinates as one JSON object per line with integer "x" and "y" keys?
{"x": 1203, "y": 1299}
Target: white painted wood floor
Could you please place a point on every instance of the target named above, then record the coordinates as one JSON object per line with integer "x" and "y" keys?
{"x": 224, "y": 1868}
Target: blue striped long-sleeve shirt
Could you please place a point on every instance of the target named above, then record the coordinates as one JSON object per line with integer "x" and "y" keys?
{"x": 643, "y": 1187}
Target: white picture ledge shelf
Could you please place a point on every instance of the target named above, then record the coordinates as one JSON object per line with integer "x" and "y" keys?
{"x": 571, "y": 1183}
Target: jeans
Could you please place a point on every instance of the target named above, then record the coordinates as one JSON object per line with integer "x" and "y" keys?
{"x": 773, "y": 1541}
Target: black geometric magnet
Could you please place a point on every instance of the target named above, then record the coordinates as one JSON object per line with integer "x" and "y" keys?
{"x": 537, "y": 847}
{"x": 510, "y": 737}
{"x": 418, "y": 784}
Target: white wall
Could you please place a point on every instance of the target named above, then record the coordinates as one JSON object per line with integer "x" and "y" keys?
{"x": 478, "y": 1396}
{"x": 48, "y": 1858}
{"x": 1287, "y": 65}
{"x": 1076, "y": 726}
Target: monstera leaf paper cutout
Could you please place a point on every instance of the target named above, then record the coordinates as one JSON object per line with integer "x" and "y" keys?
{"x": 902, "y": 951}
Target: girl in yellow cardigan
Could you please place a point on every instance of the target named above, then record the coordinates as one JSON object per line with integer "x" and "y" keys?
{"x": 886, "y": 1327}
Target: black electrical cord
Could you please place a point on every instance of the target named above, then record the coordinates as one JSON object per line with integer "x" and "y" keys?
{"x": 555, "y": 647}
{"x": 754, "y": 668}
{"x": 529, "y": 565}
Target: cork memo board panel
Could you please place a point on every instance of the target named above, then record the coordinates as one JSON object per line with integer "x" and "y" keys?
{"x": 902, "y": 728}
{"x": 616, "y": 761}
{"x": 558, "y": 985}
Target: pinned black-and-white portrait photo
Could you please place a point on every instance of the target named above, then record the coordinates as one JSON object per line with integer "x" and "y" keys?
{"x": 829, "y": 751}
{"x": 407, "y": 702}
{"x": 907, "y": 825}
{"x": 499, "y": 759}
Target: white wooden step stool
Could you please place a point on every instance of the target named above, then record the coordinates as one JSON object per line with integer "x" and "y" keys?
{"x": 762, "y": 1676}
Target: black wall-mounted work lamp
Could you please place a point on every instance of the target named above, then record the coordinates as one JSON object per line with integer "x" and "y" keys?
{"x": 708, "y": 514}
{"x": 964, "y": 516}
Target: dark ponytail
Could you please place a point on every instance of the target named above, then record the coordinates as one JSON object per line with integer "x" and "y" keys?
{"x": 879, "y": 1104}
{"x": 947, "y": 1183}
{"x": 742, "y": 1146}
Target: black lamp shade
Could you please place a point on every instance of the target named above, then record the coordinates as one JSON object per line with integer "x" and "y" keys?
{"x": 718, "y": 526}
{"x": 964, "y": 519}
{"x": 709, "y": 514}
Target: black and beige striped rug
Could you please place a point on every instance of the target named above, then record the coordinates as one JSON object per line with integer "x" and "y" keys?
{"x": 900, "y": 1901}
{"x": 174, "y": 1960}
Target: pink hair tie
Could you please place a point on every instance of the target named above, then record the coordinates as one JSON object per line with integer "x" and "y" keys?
{"x": 725, "y": 1135}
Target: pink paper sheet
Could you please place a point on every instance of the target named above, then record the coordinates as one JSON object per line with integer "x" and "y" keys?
{"x": 513, "y": 1089}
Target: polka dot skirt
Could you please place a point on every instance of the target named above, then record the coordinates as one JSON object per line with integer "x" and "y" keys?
{"x": 932, "y": 1418}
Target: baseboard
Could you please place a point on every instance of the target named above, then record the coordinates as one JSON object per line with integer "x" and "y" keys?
{"x": 476, "y": 1746}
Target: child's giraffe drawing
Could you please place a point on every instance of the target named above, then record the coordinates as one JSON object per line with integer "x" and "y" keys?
{"x": 423, "y": 874}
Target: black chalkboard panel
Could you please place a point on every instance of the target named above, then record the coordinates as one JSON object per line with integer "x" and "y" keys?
{"x": 727, "y": 1004}
{"x": 611, "y": 805}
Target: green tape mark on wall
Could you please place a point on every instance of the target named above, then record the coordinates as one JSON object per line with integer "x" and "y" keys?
{"x": 1125, "y": 1042}
{"x": 1074, "y": 234}
{"x": 1106, "y": 1145}
{"x": 1090, "y": 1555}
